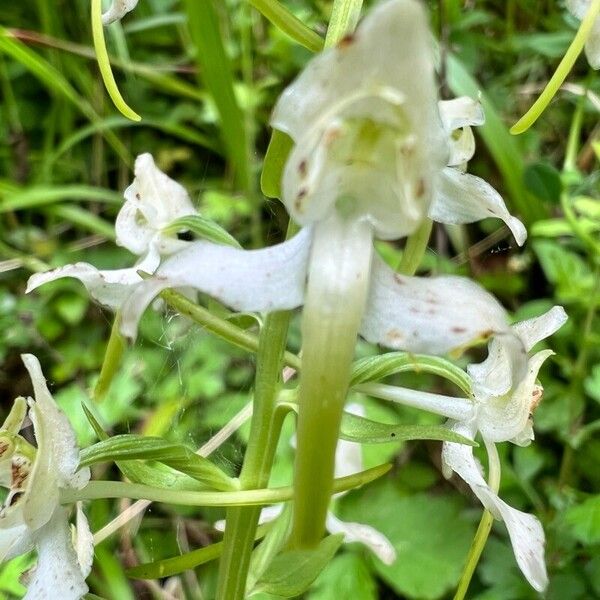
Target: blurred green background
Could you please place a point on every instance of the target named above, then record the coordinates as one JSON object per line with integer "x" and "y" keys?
{"x": 205, "y": 95}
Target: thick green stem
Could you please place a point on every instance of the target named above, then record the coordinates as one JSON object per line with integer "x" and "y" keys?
{"x": 336, "y": 297}
{"x": 241, "y": 523}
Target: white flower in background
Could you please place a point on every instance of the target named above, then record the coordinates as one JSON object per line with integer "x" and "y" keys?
{"x": 500, "y": 410}
{"x": 579, "y": 9}
{"x": 152, "y": 202}
{"x": 348, "y": 461}
{"x": 117, "y": 10}
{"x": 459, "y": 197}
{"x": 31, "y": 515}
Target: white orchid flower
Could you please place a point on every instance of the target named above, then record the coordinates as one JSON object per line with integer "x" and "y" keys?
{"x": 460, "y": 197}
{"x": 500, "y": 410}
{"x": 348, "y": 461}
{"x": 579, "y": 9}
{"x": 369, "y": 150}
{"x": 31, "y": 515}
{"x": 152, "y": 202}
{"x": 117, "y": 10}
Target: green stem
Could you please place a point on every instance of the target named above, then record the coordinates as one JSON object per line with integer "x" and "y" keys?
{"x": 485, "y": 526}
{"x": 219, "y": 327}
{"x": 570, "y": 162}
{"x": 336, "y": 296}
{"x": 563, "y": 69}
{"x": 241, "y": 523}
{"x": 95, "y": 490}
{"x": 112, "y": 358}
{"x": 415, "y": 248}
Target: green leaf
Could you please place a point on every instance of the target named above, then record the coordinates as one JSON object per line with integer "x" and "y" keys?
{"x": 365, "y": 431}
{"x": 430, "y": 534}
{"x": 204, "y": 228}
{"x": 284, "y": 20}
{"x": 265, "y": 552}
{"x": 179, "y": 457}
{"x": 42, "y": 195}
{"x": 373, "y": 368}
{"x": 216, "y": 73}
{"x": 292, "y": 572}
{"x": 346, "y": 576}
{"x": 584, "y": 520}
{"x": 279, "y": 148}
{"x": 543, "y": 181}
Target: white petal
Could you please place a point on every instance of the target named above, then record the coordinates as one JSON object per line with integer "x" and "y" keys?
{"x": 504, "y": 367}
{"x": 461, "y": 112}
{"x": 578, "y": 8}
{"x": 525, "y": 531}
{"x": 246, "y": 280}
{"x": 505, "y": 418}
{"x": 10, "y": 538}
{"x": 267, "y": 514}
{"x": 382, "y": 74}
{"x": 430, "y": 315}
{"x": 109, "y": 288}
{"x": 84, "y": 543}
{"x": 592, "y": 46}
{"x": 14, "y": 421}
{"x": 57, "y": 574}
{"x": 152, "y": 202}
{"x": 348, "y": 455}
{"x": 52, "y": 425}
{"x": 364, "y": 534}
{"x": 463, "y": 198}
{"x": 462, "y": 147}
{"x": 118, "y": 9}
{"x": 534, "y": 330}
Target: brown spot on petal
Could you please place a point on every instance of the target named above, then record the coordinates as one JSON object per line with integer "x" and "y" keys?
{"x": 137, "y": 195}
{"x": 19, "y": 472}
{"x": 536, "y": 397}
{"x": 399, "y": 279}
{"x": 302, "y": 168}
{"x": 347, "y": 40}
{"x": 4, "y": 446}
{"x": 458, "y": 330}
{"x": 394, "y": 335}
{"x": 420, "y": 188}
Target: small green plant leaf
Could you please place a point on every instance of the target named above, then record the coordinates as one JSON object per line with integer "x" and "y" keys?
{"x": 365, "y": 431}
{"x": 373, "y": 368}
{"x": 176, "y": 456}
{"x": 204, "y": 228}
{"x": 543, "y": 181}
{"x": 292, "y": 572}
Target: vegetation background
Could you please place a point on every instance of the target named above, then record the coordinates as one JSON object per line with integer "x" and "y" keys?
{"x": 205, "y": 94}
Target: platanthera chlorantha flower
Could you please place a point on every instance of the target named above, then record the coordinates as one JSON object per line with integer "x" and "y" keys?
{"x": 117, "y": 10}
{"x": 579, "y": 9}
{"x": 31, "y": 515}
{"x": 348, "y": 461}
{"x": 500, "y": 410}
{"x": 369, "y": 151}
{"x": 458, "y": 196}
{"x": 152, "y": 202}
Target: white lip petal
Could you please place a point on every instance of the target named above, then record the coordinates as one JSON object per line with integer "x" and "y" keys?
{"x": 592, "y": 46}
{"x": 463, "y": 198}
{"x": 430, "y": 315}
{"x": 118, "y": 9}
{"x": 109, "y": 288}
{"x": 246, "y": 280}
{"x": 57, "y": 574}
{"x": 505, "y": 418}
{"x": 462, "y": 147}
{"x": 525, "y": 531}
{"x": 11, "y": 538}
{"x": 534, "y": 330}
{"x": 461, "y": 112}
{"x": 364, "y": 534}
